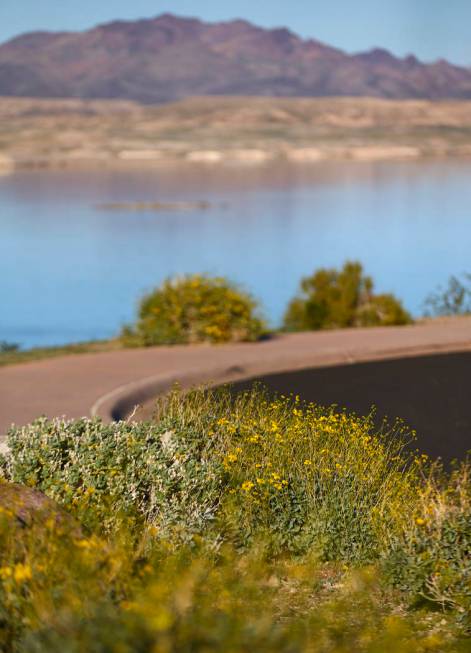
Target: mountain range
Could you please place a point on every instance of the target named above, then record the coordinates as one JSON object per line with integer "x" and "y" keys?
{"x": 169, "y": 58}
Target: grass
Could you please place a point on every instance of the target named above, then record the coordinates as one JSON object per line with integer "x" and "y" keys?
{"x": 235, "y": 525}
{"x": 43, "y": 353}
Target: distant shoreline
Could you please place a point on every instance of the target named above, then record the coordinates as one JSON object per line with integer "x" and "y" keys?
{"x": 208, "y": 158}
{"x": 49, "y": 133}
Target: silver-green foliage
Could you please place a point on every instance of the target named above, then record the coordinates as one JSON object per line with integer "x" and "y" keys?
{"x": 118, "y": 471}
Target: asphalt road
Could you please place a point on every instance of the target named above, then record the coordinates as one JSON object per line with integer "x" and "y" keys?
{"x": 431, "y": 393}
{"x": 111, "y": 384}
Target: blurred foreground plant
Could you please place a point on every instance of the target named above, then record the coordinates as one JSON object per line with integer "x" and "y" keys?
{"x": 63, "y": 594}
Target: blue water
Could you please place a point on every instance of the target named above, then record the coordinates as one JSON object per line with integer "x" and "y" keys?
{"x": 70, "y": 271}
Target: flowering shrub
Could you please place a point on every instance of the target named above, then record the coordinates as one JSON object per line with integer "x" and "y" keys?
{"x": 302, "y": 476}
{"x": 333, "y": 299}
{"x": 195, "y": 309}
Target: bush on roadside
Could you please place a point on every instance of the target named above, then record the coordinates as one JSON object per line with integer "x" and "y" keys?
{"x": 195, "y": 309}
{"x": 8, "y": 347}
{"x": 332, "y": 299}
{"x": 455, "y": 299}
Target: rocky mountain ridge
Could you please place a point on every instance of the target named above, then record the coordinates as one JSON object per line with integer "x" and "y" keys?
{"x": 169, "y": 58}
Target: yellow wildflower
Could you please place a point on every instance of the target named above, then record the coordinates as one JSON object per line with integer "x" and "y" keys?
{"x": 22, "y": 573}
{"x": 84, "y": 544}
{"x": 5, "y": 572}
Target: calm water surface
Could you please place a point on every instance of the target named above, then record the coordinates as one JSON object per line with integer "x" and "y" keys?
{"x": 70, "y": 271}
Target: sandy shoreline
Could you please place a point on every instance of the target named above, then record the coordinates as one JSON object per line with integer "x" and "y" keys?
{"x": 258, "y": 157}
{"x": 46, "y": 133}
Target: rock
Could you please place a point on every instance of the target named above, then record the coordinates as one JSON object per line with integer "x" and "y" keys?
{"x": 27, "y": 506}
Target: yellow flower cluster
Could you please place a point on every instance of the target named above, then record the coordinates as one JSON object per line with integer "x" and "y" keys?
{"x": 20, "y": 573}
{"x": 270, "y": 445}
{"x": 273, "y": 480}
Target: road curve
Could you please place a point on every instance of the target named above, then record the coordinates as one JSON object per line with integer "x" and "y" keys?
{"x": 110, "y": 384}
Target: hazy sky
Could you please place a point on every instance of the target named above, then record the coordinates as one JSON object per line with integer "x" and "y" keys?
{"x": 428, "y": 28}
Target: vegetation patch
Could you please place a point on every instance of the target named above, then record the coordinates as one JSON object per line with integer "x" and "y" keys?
{"x": 234, "y": 524}
{"x": 193, "y": 309}
{"x": 454, "y": 299}
{"x": 11, "y": 354}
{"x": 334, "y": 299}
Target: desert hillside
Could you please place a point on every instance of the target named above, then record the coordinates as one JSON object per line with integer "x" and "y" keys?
{"x": 61, "y": 132}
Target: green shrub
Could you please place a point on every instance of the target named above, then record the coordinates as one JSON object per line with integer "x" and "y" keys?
{"x": 8, "y": 347}
{"x": 455, "y": 299}
{"x": 333, "y": 299}
{"x": 195, "y": 309}
{"x": 119, "y": 473}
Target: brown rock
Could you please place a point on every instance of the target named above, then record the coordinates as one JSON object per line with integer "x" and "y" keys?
{"x": 27, "y": 506}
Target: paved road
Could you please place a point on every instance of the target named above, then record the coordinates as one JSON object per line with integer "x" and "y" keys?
{"x": 111, "y": 383}
{"x": 430, "y": 393}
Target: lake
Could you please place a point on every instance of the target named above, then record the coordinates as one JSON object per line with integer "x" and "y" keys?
{"x": 70, "y": 271}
